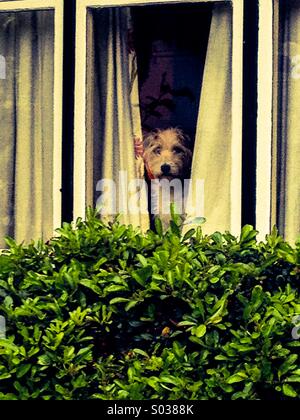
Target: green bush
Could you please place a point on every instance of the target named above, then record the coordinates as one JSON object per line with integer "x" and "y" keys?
{"x": 102, "y": 311}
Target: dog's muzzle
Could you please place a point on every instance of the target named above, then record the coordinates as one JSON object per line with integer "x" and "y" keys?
{"x": 165, "y": 168}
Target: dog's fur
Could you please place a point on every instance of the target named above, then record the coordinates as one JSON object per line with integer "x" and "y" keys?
{"x": 167, "y": 155}
{"x": 172, "y": 147}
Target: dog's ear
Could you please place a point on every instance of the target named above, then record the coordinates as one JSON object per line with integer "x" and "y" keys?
{"x": 183, "y": 138}
{"x": 150, "y": 139}
{"x": 188, "y": 159}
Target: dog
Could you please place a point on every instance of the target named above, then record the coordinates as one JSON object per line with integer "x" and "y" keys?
{"x": 167, "y": 156}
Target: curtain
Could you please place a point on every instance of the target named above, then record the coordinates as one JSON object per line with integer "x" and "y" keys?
{"x": 26, "y": 121}
{"x": 212, "y": 151}
{"x": 288, "y": 199}
{"x": 116, "y": 116}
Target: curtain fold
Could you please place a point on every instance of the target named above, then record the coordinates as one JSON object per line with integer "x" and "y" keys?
{"x": 288, "y": 200}
{"x": 26, "y": 119}
{"x": 212, "y": 151}
{"x": 119, "y": 122}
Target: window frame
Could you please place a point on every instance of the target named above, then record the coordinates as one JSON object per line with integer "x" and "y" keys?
{"x": 275, "y": 113}
{"x": 58, "y": 8}
{"x": 266, "y": 118}
{"x": 80, "y": 142}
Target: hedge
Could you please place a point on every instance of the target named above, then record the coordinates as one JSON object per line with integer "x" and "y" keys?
{"x": 104, "y": 312}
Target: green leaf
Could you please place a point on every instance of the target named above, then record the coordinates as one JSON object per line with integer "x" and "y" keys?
{"x": 5, "y": 376}
{"x": 9, "y": 346}
{"x": 142, "y": 260}
{"x": 221, "y": 357}
{"x": 199, "y": 331}
{"x": 158, "y": 226}
{"x": 142, "y": 275}
{"x": 170, "y": 380}
{"x": 115, "y": 288}
{"x": 33, "y": 351}
{"x": 237, "y": 377}
{"x": 141, "y": 352}
{"x": 21, "y": 389}
{"x": 22, "y": 370}
{"x": 8, "y": 302}
{"x": 189, "y": 234}
{"x": 175, "y": 217}
{"x": 175, "y": 229}
{"x": 287, "y": 365}
{"x": 289, "y": 391}
{"x": 158, "y": 277}
{"x": 247, "y": 234}
{"x": 44, "y": 360}
{"x": 293, "y": 378}
{"x": 118, "y": 300}
{"x": 218, "y": 238}
{"x": 58, "y": 340}
{"x": 90, "y": 284}
{"x": 186, "y": 323}
{"x": 131, "y": 304}
{"x": 218, "y": 315}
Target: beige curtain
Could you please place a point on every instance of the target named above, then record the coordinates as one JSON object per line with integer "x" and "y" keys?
{"x": 289, "y": 150}
{"x": 212, "y": 152}
{"x": 26, "y": 125}
{"x": 116, "y": 115}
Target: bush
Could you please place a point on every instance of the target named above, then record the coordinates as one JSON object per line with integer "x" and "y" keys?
{"x": 102, "y": 311}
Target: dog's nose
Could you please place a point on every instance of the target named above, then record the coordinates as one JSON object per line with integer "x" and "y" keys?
{"x": 165, "y": 168}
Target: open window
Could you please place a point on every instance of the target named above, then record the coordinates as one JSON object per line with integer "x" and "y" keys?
{"x": 30, "y": 118}
{"x": 141, "y": 67}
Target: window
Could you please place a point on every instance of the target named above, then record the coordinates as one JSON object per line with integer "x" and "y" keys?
{"x": 30, "y": 135}
{"x": 140, "y": 66}
{"x": 205, "y": 88}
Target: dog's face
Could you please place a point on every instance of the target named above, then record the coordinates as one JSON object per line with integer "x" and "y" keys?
{"x": 167, "y": 153}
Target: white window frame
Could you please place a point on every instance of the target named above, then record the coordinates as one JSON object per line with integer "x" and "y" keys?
{"x": 80, "y": 100}
{"x": 57, "y": 6}
{"x": 265, "y": 118}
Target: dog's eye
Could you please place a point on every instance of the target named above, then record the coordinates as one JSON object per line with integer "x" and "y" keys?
{"x": 157, "y": 151}
{"x": 177, "y": 150}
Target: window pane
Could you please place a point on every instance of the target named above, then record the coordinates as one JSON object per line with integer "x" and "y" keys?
{"x": 26, "y": 120}
{"x": 288, "y": 145}
{"x": 158, "y": 67}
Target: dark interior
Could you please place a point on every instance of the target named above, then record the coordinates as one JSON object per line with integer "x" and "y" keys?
{"x": 171, "y": 43}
